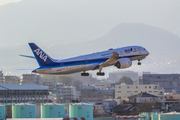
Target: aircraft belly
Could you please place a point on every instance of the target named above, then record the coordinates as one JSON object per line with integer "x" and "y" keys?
{"x": 70, "y": 69}
{"x": 138, "y": 57}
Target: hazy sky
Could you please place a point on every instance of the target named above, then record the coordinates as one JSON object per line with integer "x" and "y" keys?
{"x": 3, "y": 2}
{"x": 79, "y": 20}
{"x": 95, "y": 18}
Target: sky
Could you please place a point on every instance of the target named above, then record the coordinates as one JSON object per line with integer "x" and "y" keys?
{"x": 4, "y": 2}
{"x": 93, "y": 19}
{"x": 79, "y": 20}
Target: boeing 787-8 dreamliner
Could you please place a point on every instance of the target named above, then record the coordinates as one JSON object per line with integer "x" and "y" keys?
{"x": 119, "y": 57}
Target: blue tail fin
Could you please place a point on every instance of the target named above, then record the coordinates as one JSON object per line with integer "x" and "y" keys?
{"x": 42, "y": 58}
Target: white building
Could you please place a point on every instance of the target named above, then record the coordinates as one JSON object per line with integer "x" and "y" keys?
{"x": 1, "y": 77}
{"x": 124, "y": 91}
{"x": 98, "y": 109}
{"x": 50, "y": 83}
{"x": 32, "y": 79}
{"x": 66, "y": 93}
{"x": 11, "y": 79}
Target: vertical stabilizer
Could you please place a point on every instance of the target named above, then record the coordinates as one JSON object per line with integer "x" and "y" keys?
{"x": 42, "y": 58}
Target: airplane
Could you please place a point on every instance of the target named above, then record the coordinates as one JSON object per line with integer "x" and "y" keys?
{"x": 119, "y": 57}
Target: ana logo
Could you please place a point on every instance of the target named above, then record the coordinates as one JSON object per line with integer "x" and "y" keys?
{"x": 128, "y": 50}
{"x": 40, "y": 54}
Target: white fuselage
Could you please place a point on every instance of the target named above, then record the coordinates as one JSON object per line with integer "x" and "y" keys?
{"x": 89, "y": 61}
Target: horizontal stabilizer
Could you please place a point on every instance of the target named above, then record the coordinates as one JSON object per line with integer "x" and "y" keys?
{"x": 28, "y": 56}
{"x": 26, "y": 69}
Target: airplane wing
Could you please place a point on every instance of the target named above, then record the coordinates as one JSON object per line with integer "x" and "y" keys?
{"x": 112, "y": 60}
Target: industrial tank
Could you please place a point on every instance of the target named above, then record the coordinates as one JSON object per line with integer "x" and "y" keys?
{"x": 169, "y": 116}
{"x": 148, "y": 115}
{"x": 2, "y": 112}
{"x": 154, "y": 116}
{"x": 52, "y": 110}
{"x": 81, "y": 110}
{"x": 23, "y": 110}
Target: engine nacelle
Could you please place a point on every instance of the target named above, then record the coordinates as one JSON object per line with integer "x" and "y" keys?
{"x": 123, "y": 63}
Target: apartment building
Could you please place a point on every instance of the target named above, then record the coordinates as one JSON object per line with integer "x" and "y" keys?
{"x": 90, "y": 94}
{"x": 122, "y": 92}
{"x": 65, "y": 93}
{"x": 168, "y": 81}
{"x": 11, "y": 79}
{"x": 32, "y": 79}
{"x": 50, "y": 84}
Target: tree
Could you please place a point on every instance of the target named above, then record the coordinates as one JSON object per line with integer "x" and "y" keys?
{"x": 126, "y": 80}
{"x": 147, "y": 106}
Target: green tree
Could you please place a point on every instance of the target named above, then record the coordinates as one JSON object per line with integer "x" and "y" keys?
{"x": 126, "y": 80}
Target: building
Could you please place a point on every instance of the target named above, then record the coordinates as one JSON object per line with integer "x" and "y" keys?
{"x": 85, "y": 80}
{"x": 90, "y": 94}
{"x": 122, "y": 92}
{"x": 78, "y": 95}
{"x": 172, "y": 101}
{"x": 109, "y": 104}
{"x": 168, "y": 81}
{"x": 116, "y": 76}
{"x": 143, "y": 97}
{"x": 1, "y": 77}
{"x": 172, "y": 97}
{"x": 98, "y": 109}
{"x": 102, "y": 86}
{"x": 50, "y": 84}
{"x": 125, "y": 109}
{"x": 14, "y": 93}
{"x": 11, "y": 79}
{"x": 66, "y": 93}
{"x": 32, "y": 79}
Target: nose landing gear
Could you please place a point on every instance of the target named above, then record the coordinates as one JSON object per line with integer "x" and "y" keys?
{"x": 139, "y": 63}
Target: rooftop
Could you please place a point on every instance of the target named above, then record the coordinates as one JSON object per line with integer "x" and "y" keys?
{"x": 22, "y": 87}
{"x": 143, "y": 94}
{"x": 87, "y": 87}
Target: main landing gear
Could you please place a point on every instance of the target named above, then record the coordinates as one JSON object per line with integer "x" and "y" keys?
{"x": 84, "y": 74}
{"x": 139, "y": 63}
{"x": 100, "y": 73}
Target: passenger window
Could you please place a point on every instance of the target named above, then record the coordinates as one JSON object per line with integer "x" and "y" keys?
{"x": 139, "y": 49}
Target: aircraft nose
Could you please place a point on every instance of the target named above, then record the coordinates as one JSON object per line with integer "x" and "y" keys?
{"x": 147, "y": 53}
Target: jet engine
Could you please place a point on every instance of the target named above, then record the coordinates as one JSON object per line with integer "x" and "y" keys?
{"x": 123, "y": 63}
